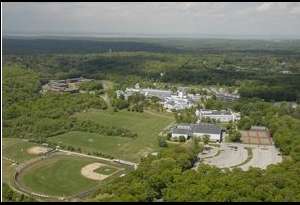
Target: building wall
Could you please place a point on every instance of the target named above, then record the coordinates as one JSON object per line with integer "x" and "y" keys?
{"x": 212, "y": 137}
{"x": 176, "y": 136}
{"x": 222, "y": 118}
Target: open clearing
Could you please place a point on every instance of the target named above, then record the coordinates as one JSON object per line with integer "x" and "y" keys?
{"x": 61, "y": 175}
{"x": 147, "y": 125}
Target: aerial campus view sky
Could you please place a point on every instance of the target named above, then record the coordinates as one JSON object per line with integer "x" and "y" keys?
{"x": 218, "y": 18}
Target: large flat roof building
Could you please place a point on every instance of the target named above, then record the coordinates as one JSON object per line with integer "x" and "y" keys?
{"x": 197, "y": 130}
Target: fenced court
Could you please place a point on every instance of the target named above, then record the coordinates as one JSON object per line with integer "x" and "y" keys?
{"x": 259, "y": 137}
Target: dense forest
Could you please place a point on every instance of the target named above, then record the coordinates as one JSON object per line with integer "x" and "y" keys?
{"x": 228, "y": 62}
{"x": 59, "y": 44}
{"x": 50, "y": 46}
{"x": 29, "y": 114}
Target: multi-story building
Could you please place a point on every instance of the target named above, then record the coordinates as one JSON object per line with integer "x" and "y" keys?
{"x": 221, "y": 116}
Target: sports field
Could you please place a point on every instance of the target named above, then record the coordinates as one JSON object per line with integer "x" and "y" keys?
{"x": 17, "y": 149}
{"x": 62, "y": 175}
{"x": 146, "y": 125}
{"x": 256, "y": 137}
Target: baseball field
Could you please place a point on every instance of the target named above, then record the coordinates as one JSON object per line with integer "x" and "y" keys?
{"x": 67, "y": 175}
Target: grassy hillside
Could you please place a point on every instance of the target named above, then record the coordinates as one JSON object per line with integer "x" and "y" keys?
{"x": 146, "y": 125}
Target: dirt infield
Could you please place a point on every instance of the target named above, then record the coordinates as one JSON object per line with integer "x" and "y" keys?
{"x": 37, "y": 150}
{"x": 89, "y": 171}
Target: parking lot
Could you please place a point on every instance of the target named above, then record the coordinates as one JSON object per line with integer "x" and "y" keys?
{"x": 263, "y": 156}
{"x": 230, "y": 155}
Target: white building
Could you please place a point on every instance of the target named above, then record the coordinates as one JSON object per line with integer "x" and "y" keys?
{"x": 179, "y": 101}
{"x": 222, "y": 116}
{"x": 170, "y": 101}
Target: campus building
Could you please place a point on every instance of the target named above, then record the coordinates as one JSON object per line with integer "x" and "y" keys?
{"x": 218, "y": 115}
{"x": 179, "y": 101}
{"x": 227, "y": 96}
{"x": 68, "y": 85}
{"x": 169, "y": 100}
{"x": 197, "y": 130}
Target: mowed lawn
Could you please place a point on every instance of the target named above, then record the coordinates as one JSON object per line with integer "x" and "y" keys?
{"x": 58, "y": 176}
{"x": 16, "y": 149}
{"x": 147, "y": 125}
{"x": 91, "y": 142}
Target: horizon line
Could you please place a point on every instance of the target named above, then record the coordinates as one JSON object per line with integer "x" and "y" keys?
{"x": 148, "y": 35}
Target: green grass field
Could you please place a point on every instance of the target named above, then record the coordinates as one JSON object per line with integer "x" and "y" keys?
{"x": 16, "y": 149}
{"x": 91, "y": 142}
{"x": 147, "y": 125}
{"x": 60, "y": 176}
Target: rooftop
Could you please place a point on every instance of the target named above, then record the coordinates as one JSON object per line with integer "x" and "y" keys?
{"x": 215, "y": 112}
{"x": 196, "y": 128}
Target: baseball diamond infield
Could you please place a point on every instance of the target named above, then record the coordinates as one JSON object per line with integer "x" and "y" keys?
{"x": 37, "y": 150}
{"x": 90, "y": 171}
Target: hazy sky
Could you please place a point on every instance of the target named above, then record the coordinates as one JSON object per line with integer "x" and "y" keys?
{"x": 217, "y": 18}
